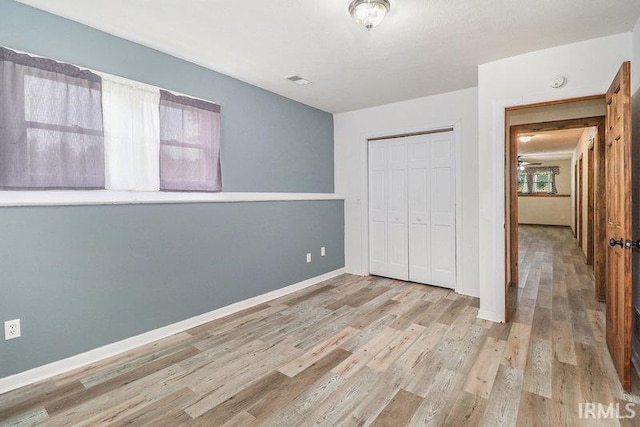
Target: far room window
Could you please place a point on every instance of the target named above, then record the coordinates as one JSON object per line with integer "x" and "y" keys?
{"x": 540, "y": 180}
{"x": 522, "y": 183}
{"x": 543, "y": 182}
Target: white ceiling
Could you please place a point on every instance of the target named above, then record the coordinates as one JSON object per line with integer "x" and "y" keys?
{"x": 423, "y": 47}
{"x": 550, "y": 145}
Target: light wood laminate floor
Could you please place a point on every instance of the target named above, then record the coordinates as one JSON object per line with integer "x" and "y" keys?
{"x": 362, "y": 351}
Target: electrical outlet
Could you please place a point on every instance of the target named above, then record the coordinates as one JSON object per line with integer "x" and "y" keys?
{"x": 11, "y": 329}
{"x": 308, "y": 257}
{"x": 322, "y": 251}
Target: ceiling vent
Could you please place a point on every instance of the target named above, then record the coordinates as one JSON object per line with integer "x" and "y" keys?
{"x": 298, "y": 80}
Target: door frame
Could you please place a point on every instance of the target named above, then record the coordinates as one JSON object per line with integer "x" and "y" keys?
{"x": 511, "y": 196}
{"x": 576, "y": 229}
{"x": 590, "y": 202}
{"x": 364, "y": 191}
{"x": 580, "y": 200}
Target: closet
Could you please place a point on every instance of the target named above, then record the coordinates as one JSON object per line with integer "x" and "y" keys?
{"x": 412, "y": 228}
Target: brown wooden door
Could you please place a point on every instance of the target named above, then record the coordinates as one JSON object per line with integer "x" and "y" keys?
{"x": 618, "y": 223}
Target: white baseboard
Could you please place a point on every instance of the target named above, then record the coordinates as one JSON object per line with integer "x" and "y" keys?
{"x": 469, "y": 292}
{"x": 490, "y": 315}
{"x": 92, "y": 356}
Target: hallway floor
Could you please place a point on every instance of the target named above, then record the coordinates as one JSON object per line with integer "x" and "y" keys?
{"x": 567, "y": 357}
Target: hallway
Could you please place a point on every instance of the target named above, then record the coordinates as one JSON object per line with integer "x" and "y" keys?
{"x": 567, "y": 358}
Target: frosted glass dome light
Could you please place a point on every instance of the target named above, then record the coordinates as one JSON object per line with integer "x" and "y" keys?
{"x": 369, "y": 13}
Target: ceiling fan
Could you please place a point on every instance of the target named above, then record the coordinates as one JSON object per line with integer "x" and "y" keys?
{"x": 522, "y": 163}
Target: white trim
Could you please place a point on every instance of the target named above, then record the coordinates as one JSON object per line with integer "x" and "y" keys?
{"x": 106, "y": 197}
{"x": 490, "y": 315}
{"x": 457, "y": 152}
{"x": 475, "y": 293}
{"x": 93, "y": 356}
{"x": 364, "y": 192}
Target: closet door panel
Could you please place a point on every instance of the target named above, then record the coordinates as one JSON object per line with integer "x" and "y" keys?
{"x": 442, "y": 196}
{"x": 398, "y": 249}
{"x": 398, "y": 268}
{"x": 378, "y": 259}
{"x": 419, "y": 216}
{"x": 442, "y": 262}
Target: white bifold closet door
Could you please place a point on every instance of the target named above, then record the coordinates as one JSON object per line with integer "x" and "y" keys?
{"x": 412, "y": 209}
{"x": 389, "y": 254}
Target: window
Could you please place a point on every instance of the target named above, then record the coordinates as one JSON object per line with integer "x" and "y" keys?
{"x": 538, "y": 180}
{"x": 522, "y": 183}
{"x": 62, "y": 127}
{"x": 542, "y": 182}
{"x": 51, "y": 132}
{"x": 189, "y": 144}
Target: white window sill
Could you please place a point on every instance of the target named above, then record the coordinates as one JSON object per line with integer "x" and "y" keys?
{"x": 105, "y": 197}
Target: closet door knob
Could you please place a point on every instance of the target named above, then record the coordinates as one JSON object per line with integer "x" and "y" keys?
{"x": 419, "y": 219}
{"x": 396, "y": 218}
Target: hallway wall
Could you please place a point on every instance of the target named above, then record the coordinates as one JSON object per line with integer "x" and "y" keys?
{"x": 582, "y": 149}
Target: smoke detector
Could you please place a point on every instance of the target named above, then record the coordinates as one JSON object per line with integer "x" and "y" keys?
{"x": 558, "y": 81}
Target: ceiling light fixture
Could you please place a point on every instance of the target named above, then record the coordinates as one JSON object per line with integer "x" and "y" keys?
{"x": 525, "y": 139}
{"x": 369, "y": 13}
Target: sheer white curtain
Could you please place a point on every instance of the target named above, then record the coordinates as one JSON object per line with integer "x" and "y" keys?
{"x": 131, "y": 135}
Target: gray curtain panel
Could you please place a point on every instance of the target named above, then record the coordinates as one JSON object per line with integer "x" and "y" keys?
{"x": 529, "y": 183}
{"x": 189, "y": 144}
{"x": 554, "y": 189}
{"x": 51, "y": 132}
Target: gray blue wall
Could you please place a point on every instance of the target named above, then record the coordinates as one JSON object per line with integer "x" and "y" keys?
{"x": 82, "y": 277}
